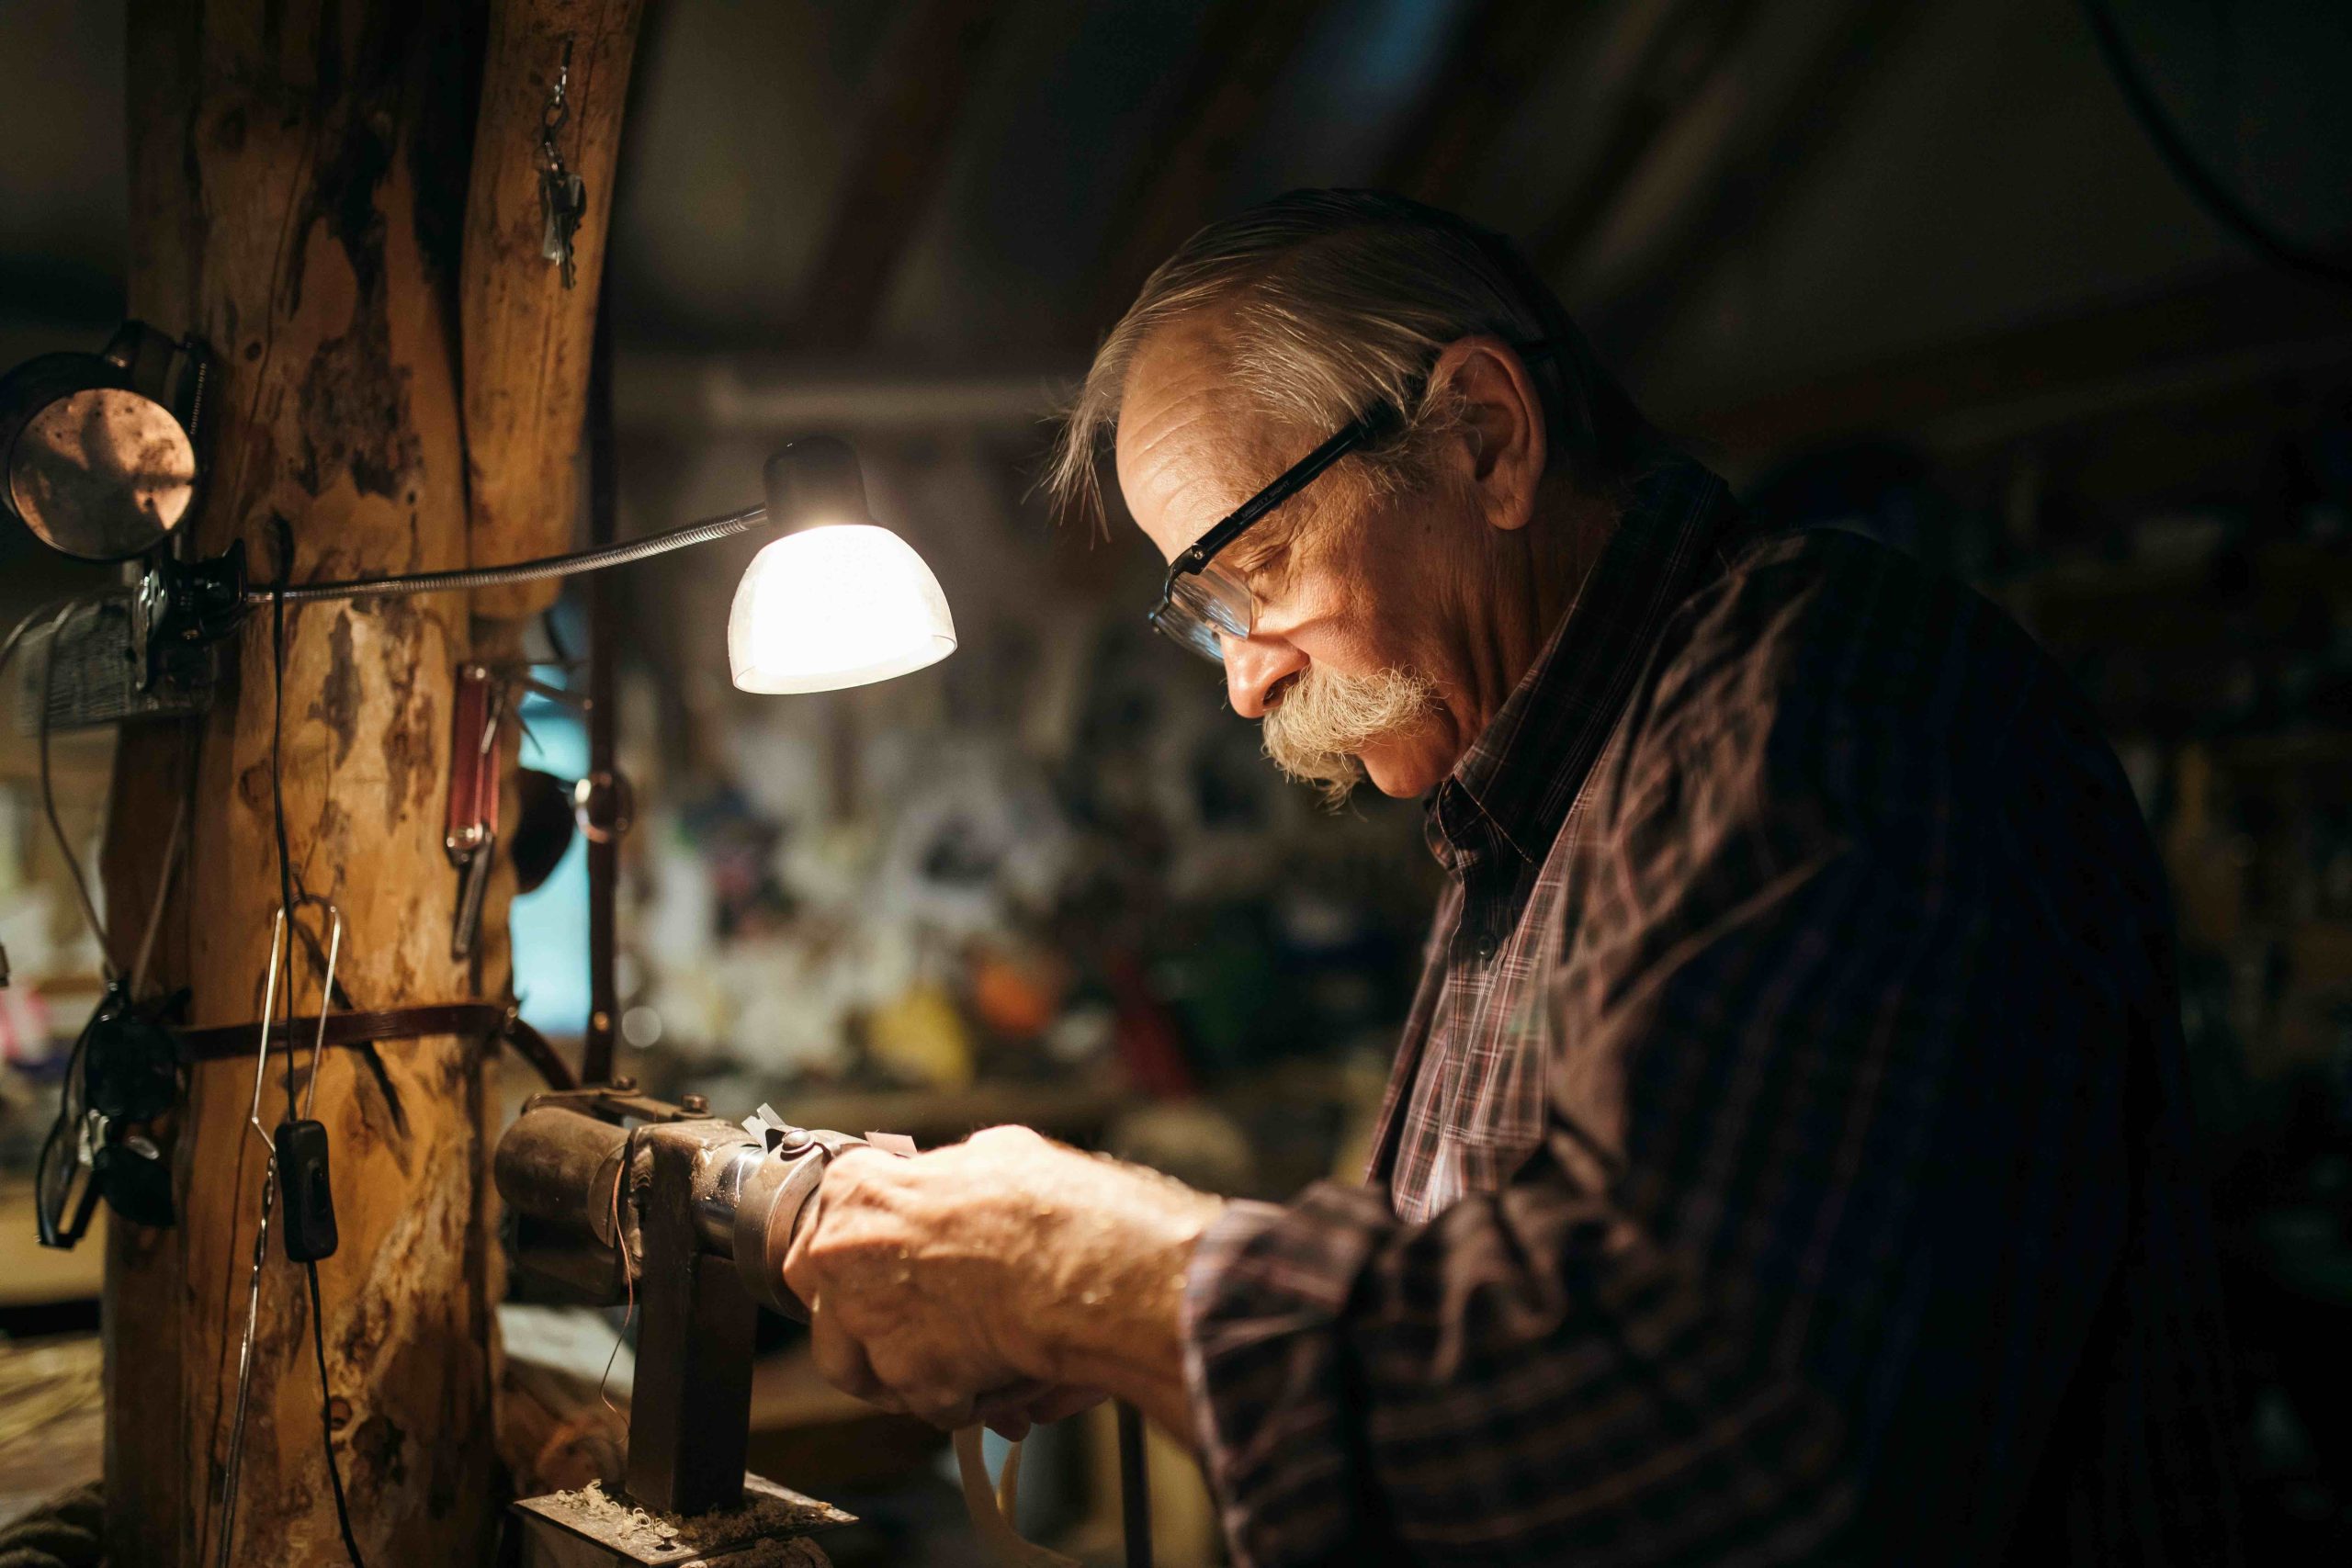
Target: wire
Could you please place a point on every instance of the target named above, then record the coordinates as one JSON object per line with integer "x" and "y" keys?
{"x": 16, "y": 632}
{"x": 63, "y": 609}
{"x": 233, "y": 1468}
{"x": 629, "y": 1274}
{"x": 164, "y": 878}
{"x": 286, "y": 898}
{"x": 71, "y": 1100}
{"x": 49, "y": 796}
{"x": 2224, "y": 204}
{"x": 326, "y": 1419}
{"x": 277, "y": 779}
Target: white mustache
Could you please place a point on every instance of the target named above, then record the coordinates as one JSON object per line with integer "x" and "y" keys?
{"x": 1323, "y": 720}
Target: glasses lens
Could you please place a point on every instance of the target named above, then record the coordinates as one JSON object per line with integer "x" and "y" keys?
{"x": 1203, "y": 607}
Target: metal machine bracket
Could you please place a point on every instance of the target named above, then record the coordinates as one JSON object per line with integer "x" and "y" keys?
{"x": 615, "y": 1191}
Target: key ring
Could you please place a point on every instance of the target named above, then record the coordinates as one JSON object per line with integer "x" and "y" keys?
{"x": 558, "y": 114}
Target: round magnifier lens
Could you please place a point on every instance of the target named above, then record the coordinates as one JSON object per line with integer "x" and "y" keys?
{"x": 101, "y": 473}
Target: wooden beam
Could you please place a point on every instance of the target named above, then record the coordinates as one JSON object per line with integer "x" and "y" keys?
{"x": 1738, "y": 194}
{"x": 2231, "y": 328}
{"x": 913, "y": 98}
{"x": 1666, "y": 52}
{"x": 1244, "y": 45}
{"x": 1497, "y": 58}
{"x": 526, "y": 336}
{"x": 299, "y": 170}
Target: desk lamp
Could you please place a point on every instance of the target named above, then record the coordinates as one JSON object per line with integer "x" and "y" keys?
{"x": 99, "y": 458}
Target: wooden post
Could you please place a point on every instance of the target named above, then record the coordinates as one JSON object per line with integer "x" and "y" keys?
{"x": 528, "y": 342}
{"x": 299, "y": 185}
{"x": 527, "y": 338}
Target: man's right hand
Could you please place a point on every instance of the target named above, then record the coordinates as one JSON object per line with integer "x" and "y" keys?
{"x": 1010, "y": 1412}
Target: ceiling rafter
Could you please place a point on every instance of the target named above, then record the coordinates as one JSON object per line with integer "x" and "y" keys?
{"x": 914, "y": 97}
{"x": 1498, "y": 57}
{"x": 1675, "y": 48}
{"x": 1244, "y": 45}
{"x": 1739, "y": 190}
{"x": 2228, "y": 328}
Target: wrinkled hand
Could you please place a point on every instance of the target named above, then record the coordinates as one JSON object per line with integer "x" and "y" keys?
{"x": 1007, "y": 1278}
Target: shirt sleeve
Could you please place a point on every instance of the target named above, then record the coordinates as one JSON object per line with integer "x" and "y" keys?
{"x": 1673, "y": 1336}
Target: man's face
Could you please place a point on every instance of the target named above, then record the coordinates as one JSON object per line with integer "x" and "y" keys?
{"x": 1358, "y": 598}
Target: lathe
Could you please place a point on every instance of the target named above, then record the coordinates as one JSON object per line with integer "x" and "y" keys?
{"x": 617, "y": 1196}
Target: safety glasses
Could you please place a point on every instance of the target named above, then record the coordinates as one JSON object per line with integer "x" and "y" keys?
{"x": 125, "y": 1071}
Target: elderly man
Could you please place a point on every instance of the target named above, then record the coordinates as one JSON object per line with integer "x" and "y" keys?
{"x": 1787, "y": 1157}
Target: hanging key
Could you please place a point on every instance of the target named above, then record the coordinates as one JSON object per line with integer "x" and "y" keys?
{"x": 563, "y": 195}
{"x": 563, "y": 199}
{"x": 469, "y": 834}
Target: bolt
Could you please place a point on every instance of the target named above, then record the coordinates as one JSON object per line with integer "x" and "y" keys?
{"x": 624, "y": 1086}
{"x": 694, "y": 1104}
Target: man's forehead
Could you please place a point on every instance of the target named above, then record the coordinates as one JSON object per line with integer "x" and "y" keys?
{"x": 1183, "y": 445}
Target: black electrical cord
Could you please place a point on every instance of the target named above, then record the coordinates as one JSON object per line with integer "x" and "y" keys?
{"x": 285, "y": 902}
{"x": 326, "y": 1420}
{"x": 2224, "y": 204}
{"x": 277, "y": 785}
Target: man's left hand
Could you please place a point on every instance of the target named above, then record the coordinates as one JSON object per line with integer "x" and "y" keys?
{"x": 1006, "y": 1277}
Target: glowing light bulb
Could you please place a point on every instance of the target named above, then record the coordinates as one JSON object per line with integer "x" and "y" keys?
{"x": 839, "y": 604}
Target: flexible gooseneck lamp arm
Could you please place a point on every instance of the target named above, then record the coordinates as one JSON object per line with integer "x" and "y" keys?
{"x": 538, "y": 570}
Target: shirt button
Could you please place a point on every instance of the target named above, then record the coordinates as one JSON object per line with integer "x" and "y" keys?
{"x": 1484, "y": 947}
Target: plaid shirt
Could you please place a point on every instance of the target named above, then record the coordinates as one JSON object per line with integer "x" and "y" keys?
{"x": 1787, "y": 1159}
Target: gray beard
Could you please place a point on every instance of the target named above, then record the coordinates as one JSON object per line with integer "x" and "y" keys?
{"x": 1324, "y": 719}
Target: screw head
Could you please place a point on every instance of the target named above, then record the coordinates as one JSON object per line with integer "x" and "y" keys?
{"x": 694, "y": 1104}
{"x": 624, "y": 1086}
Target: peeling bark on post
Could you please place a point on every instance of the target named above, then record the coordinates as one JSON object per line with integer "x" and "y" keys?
{"x": 297, "y": 185}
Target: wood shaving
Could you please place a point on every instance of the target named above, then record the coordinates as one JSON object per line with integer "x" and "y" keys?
{"x": 768, "y": 1516}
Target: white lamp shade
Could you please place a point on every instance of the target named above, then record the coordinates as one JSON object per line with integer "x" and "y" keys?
{"x": 837, "y": 605}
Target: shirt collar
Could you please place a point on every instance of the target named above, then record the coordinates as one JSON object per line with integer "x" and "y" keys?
{"x": 1512, "y": 789}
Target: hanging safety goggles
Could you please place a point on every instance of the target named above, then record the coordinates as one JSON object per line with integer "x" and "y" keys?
{"x": 125, "y": 1072}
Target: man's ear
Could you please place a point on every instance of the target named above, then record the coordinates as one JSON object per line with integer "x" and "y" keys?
{"x": 1503, "y": 417}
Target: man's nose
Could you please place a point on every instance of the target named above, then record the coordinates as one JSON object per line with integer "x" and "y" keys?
{"x": 1254, "y": 666}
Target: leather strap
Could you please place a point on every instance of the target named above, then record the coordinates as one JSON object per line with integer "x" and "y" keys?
{"x": 345, "y": 1029}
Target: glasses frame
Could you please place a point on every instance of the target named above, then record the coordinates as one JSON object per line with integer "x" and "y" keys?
{"x": 1380, "y": 421}
{"x": 1375, "y": 424}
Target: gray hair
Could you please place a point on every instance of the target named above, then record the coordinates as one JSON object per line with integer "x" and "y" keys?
{"x": 1341, "y": 299}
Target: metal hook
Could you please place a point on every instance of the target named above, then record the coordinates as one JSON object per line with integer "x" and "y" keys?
{"x": 235, "y": 1460}
{"x": 280, "y": 965}
{"x": 558, "y": 113}
{"x": 326, "y": 1005}
{"x": 268, "y": 1015}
